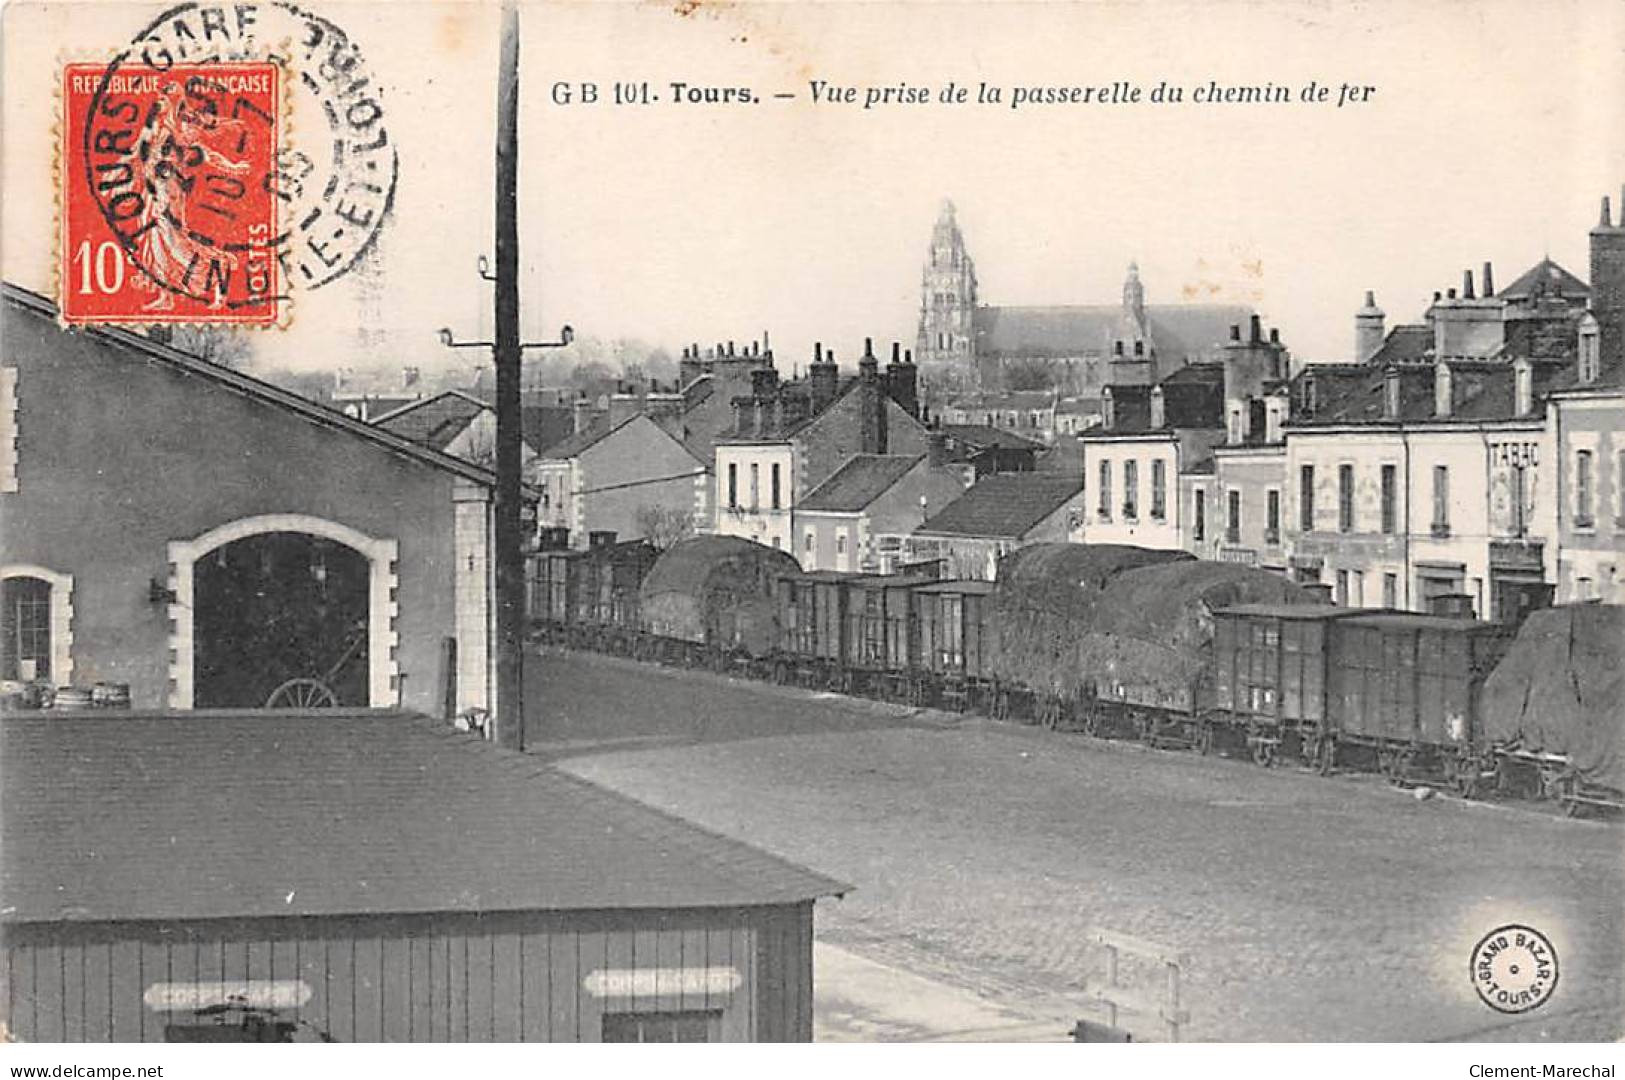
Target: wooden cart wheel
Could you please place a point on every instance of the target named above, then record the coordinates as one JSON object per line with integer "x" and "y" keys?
{"x": 1325, "y": 755}
{"x": 302, "y": 694}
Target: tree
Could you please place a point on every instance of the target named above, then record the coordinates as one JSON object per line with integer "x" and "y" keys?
{"x": 663, "y": 526}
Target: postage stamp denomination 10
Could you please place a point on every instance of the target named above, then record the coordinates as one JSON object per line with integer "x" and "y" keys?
{"x": 169, "y": 200}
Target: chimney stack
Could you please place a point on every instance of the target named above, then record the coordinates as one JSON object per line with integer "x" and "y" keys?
{"x": 1607, "y": 221}
{"x": 1467, "y": 285}
{"x": 1235, "y": 332}
{"x": 1488, "y": 281}
{"x": 1256, "y": 330}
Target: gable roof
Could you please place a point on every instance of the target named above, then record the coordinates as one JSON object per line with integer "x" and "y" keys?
{"x": 1408, "y": 343}
{"x": 1004, "y": 505}
{"x": 859, "y": 482}
{"x": 255, "y": 814}
{"x": 145, "y": 348}
{"x": 543, "y": 426}
{"x": 572, "y": 445}
{"x": 435, "y": 421}
{"x": 1177, "y": 331}
{"x": 1546, "y": 278}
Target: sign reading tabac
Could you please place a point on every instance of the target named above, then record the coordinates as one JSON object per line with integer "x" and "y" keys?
{"x": 169, "y": 193}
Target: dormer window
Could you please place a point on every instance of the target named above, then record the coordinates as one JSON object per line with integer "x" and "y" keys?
{"x": 1309, "y": 395}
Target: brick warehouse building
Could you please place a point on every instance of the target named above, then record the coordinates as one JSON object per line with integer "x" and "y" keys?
{"x": 207, "y": 538}
{"x": 235, "y": 877}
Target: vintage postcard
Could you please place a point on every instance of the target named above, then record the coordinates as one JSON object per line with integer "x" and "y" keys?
{"x": 775, "y": 522}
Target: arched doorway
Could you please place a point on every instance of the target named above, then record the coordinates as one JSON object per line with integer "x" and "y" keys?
{"x": 313, "y": 574}
{"x": 280, "y": 618}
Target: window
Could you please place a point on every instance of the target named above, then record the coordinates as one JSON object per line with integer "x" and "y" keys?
{"x": 807, "y": 542}
{"x": 775, "y": 485}
{"x": 1105, "y": 491}
{"x": 1441, "y": 500}
{"x": 695, "y": 1026}
{"x": 1619, "y": 497}
{"x": 1342, "y": 588}
{"x": 1159, "y": 489}
{"x": 840, "y": 541}
{"x": 755, "y": 486}
{"x": 733, "y": 486}
{"x": 1390, "y": 591}
{"x": 1390, "y": 477}
{"x": 1131, "y": 488}
{"x": 1582, "y": 489}
{"x": 1232, "y": 521}
{"x": 1306, "y": 498}
{"x": 1345, "y": 498}
{"x": 1272, "y": 516}
{"x": 1357, "y": 588}
{"x": 25, "y": 654}
{"x": 1199, "y": 516}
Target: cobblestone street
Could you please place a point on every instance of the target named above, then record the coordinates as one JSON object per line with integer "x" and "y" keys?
{"x": 982, "y": 854}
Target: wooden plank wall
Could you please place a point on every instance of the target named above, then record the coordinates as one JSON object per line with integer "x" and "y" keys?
{"x": 504, "y": 978}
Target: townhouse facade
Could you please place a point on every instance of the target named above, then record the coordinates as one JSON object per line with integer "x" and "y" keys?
{"x": 789, "y": 437}
{"x": 857, "y": 519}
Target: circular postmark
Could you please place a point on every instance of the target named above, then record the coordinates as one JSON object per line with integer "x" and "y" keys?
{"x": 330, "y": 188}
{"x": 1514, "y": 968}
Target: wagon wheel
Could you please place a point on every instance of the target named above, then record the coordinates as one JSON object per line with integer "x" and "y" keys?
{"x": 1325, "y": 755}
{"x": 302, "y": 694}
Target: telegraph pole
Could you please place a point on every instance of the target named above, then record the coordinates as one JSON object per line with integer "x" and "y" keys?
{"x": 510, "y": 565}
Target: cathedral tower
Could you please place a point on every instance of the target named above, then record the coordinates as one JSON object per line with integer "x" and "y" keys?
{"x": 946, "y": 347}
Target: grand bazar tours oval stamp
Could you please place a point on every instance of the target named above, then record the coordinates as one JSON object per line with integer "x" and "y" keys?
{"x": 1514, "y": 969}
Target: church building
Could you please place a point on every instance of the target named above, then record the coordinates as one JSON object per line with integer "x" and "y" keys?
{"x": 965, "y": 346}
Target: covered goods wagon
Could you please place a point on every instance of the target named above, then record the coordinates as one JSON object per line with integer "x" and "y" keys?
{"x": 711, "y": 599}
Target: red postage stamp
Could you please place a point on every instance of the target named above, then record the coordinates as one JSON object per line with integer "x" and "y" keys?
{"x": 168, "y": 193}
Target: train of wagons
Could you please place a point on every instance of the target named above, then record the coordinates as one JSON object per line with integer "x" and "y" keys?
{"x": 1128, "y": 642}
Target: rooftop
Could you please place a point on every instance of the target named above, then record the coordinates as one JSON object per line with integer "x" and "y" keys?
{"x": 434, "y": 421}
{"x": 859, "y": 482}
{"x": 1004, "y": 505}
{"x": 257, "y": 814}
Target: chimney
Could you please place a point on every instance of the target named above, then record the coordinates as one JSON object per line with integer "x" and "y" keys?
{"x": 1443, "y": 390}
{"x": 1158, "y": 408}
{"x": 872, "y": 400}
{"x": 901, "y": 382}
{"x": 1235, "y": 332}
{"x": 1255, "y": 330}
{"x": 1390, "y": 393}
{"x": 1523, "y": 387}
{"x": 1608, "y": 284}
{"x": 1369, "y": 329}
{"x": 1488, "y": 280}
{"x": 936, "y": 449}
{"x": 1467, "y": 285}
{"x": 767, "y": 349}
{"x": 823, "y": 380}
{"x": 581, "y": 412}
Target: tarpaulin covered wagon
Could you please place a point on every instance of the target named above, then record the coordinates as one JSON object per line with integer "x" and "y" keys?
{"x": 1149, "y": 651}
{"x": 1045, "y": 601}
{"x": 710, "y": 599}
{"x": 1553, "y": 710}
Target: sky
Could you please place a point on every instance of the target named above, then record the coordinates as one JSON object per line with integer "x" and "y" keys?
{"x": 1492, "y": 133}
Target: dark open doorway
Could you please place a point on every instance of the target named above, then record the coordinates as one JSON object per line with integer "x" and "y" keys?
{"x": 280, "y": 615}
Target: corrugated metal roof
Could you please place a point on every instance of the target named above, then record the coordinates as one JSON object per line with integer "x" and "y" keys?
{"x": 200, "y": 815}
{"x": 1004, "y": 504}
{"x": 859, "y": 482}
